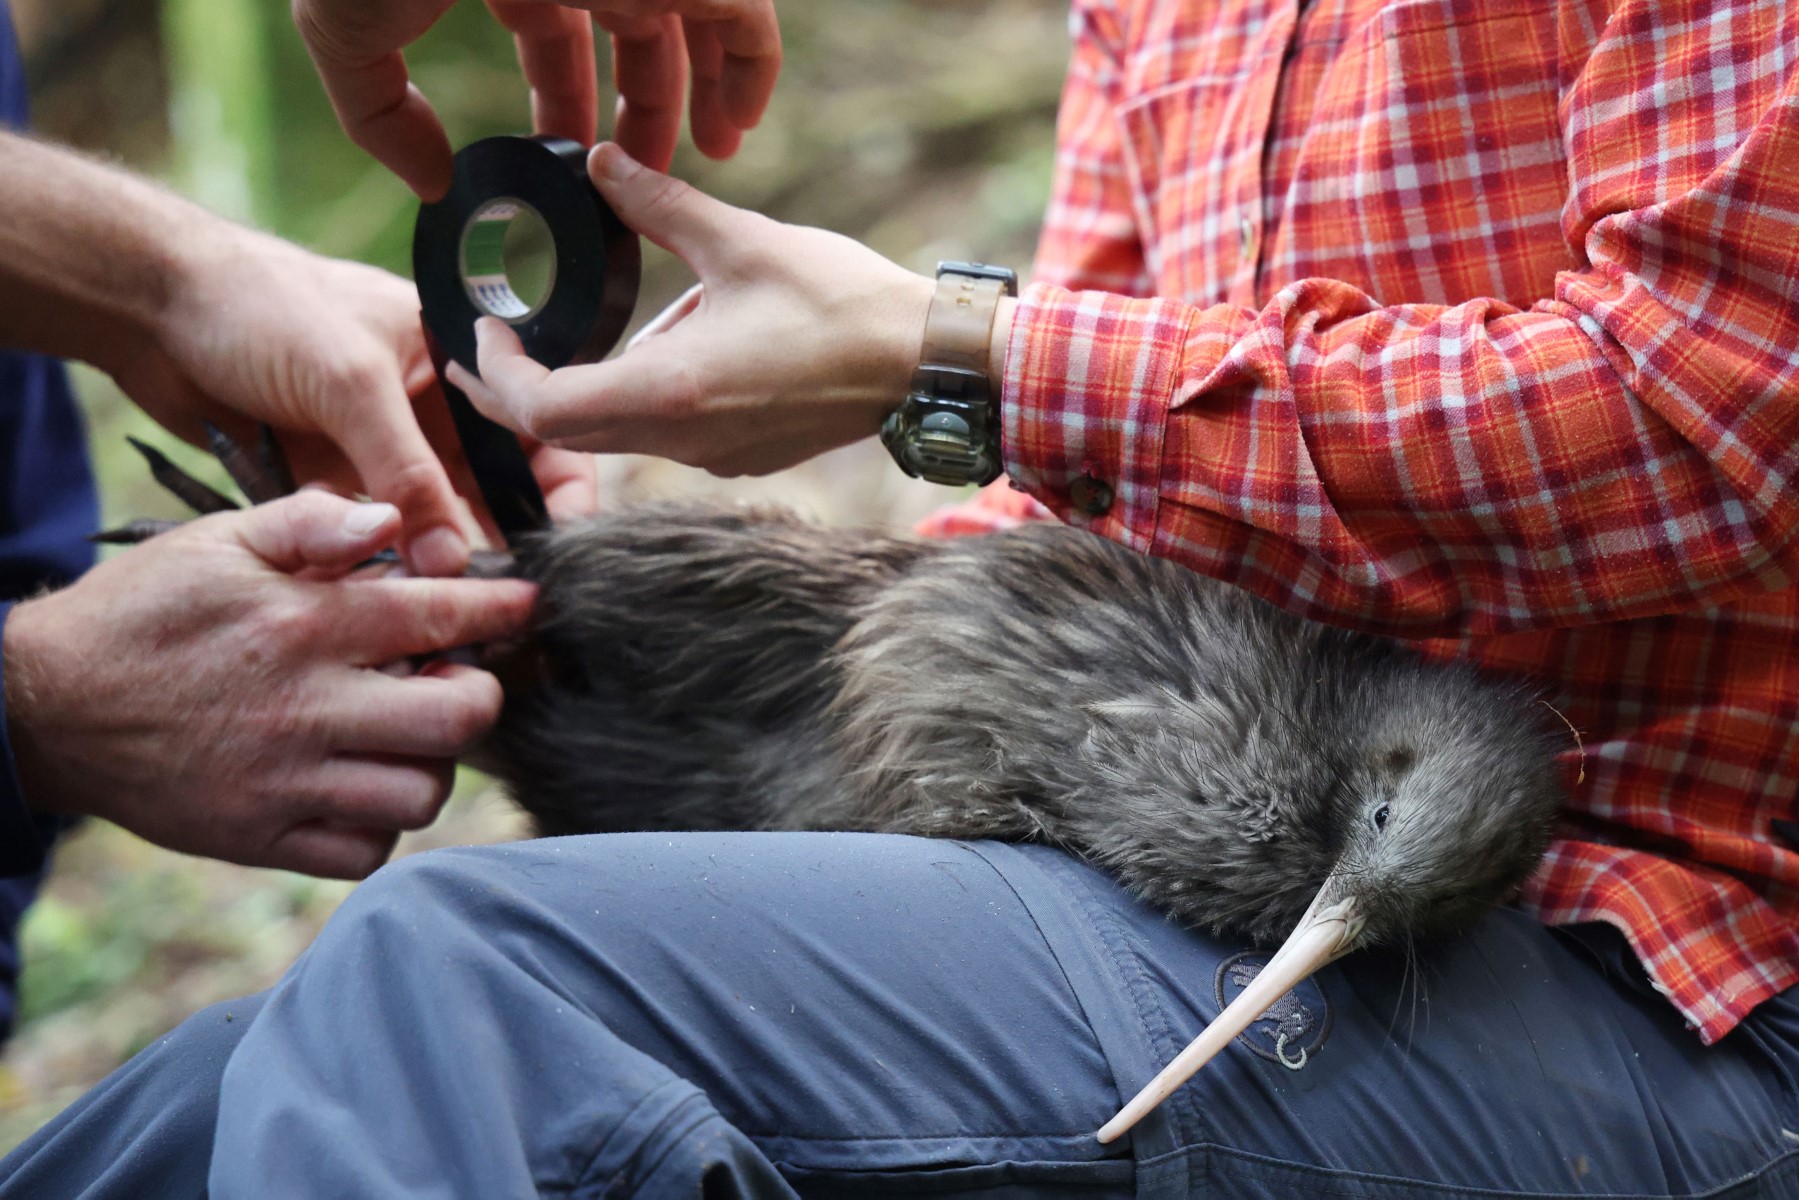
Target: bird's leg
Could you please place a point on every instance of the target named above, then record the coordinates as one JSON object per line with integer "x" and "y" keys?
{"x": 190, "y": 491}
{"x": 261, "y": 477}
{"x": 1328, "y": 930}
{"x": 133, "y": 532}
{"x": 265, "y": 477}
{"x": 261, "y": 481}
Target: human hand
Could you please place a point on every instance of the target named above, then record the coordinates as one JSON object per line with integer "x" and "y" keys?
{"x": 218, "y": 690}
{"x": 797, "y": 341}
{"x": 198, "y": 319}
{"x": 332, "y": 355}
{"x": 731, "y": 47}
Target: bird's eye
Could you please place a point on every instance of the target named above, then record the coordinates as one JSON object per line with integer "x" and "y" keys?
{"x": 1380, "y": 817}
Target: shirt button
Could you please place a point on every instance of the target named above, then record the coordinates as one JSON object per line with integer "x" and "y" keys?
{"x": 1090, "y": 495}
{"x": 1246, "y": 236}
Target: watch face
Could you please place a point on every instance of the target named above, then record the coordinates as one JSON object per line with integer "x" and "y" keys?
{"x": 941, "y": 440}
{"x": 947, "y": 425}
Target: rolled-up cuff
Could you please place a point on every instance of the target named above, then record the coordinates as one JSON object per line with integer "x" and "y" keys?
{"x": 1090, "y": 377}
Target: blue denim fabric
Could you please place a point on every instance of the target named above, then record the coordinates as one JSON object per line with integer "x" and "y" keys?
{"x": 841, "y": 1015}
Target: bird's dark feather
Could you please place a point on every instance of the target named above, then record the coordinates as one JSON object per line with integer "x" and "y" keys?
{"x": 742, "y": 669}
{"x": 705, "y": 668}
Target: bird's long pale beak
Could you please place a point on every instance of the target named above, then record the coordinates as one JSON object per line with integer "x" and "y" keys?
{"x": 1326, "y": 932}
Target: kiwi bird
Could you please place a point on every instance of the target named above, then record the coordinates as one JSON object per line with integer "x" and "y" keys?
{"x": 1253, "y": 773}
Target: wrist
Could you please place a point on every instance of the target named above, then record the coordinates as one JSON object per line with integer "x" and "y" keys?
{"x": 212, "y": 271}
{"x": 170, "y": 262}
{"x": 204, "y": 270}
{"x": 903, "y": 336}
{"x": 26, "y": 674}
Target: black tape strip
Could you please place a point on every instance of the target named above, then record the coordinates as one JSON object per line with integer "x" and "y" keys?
{"x": 592, "y": 291}
{"x": 495, "y": 459}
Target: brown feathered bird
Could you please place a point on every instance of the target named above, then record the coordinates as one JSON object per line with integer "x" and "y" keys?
{"x": 1253, "y": 773}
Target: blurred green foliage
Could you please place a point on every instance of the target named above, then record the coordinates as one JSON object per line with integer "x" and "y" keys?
{"x": 141, "y": 925}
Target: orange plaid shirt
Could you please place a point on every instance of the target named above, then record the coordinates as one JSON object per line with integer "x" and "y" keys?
{"x": 1473, "y": 324}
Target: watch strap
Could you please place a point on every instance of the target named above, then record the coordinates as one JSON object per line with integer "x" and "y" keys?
{"x": 958, "y": 329}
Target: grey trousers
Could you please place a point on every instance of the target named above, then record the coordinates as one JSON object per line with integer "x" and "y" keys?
{"x": 838, "y": 1015}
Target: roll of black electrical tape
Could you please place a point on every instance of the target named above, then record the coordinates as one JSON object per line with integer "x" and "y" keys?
{"x": 457, "y": 244}
{"x": 575, "y": 315}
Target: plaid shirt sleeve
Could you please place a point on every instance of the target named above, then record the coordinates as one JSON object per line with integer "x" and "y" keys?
{"x": 1622, "y": 447}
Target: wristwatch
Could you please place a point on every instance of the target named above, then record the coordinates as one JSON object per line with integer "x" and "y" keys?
{"x": 946, "y": 430}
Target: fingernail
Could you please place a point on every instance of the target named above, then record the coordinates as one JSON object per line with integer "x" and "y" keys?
{"x": 440, "y": 551}
{"x": 363, "y": 519}
{"x": 615, "y": 164}
{"x": 484, "y": 329}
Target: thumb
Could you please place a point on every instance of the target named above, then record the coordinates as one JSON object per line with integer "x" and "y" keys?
{"x": 316, "y": 529}
{"x": 676, "y": 216}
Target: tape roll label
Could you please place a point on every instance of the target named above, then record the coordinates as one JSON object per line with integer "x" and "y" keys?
{"x": 508, "y": 258}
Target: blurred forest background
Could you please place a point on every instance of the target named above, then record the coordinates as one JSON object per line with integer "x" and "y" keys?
{"x": 922, "y": 127}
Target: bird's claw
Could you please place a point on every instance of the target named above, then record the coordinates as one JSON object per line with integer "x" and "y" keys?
{"x": 262, "y": 478}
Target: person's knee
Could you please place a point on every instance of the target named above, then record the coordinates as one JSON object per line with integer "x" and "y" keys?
{"x": 413, "y": 903}
{"x": 210, "y": 1035}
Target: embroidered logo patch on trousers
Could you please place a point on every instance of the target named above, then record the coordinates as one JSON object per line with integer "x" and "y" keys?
{"x": 1289, "y": 1032}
